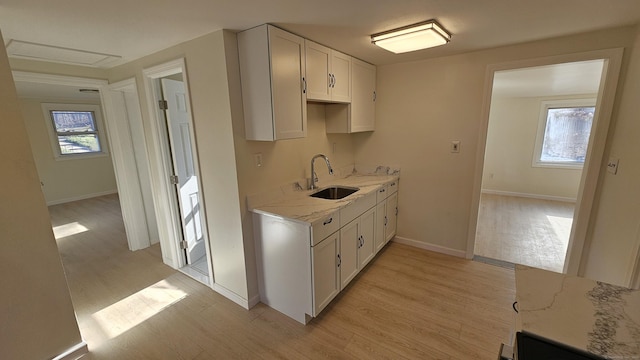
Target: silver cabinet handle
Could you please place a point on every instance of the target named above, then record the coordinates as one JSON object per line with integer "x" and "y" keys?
{"x": 362, "y": 240}
{"x": 327, "y": 222}
{"x": 334, "y": 80}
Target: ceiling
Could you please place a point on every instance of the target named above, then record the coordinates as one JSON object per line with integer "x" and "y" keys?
{"x": 576, "y": 78}
{"x": 132, "y": 29}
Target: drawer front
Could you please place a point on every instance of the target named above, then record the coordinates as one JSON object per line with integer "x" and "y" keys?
{"x": 382, "y": 193}
{"x": 392, "y": 187}
{"x": 357, "y": 208}
{"x": 325, "y": 227}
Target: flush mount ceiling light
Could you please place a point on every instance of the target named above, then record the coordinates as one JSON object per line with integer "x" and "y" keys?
{"x": 413, "y": 37}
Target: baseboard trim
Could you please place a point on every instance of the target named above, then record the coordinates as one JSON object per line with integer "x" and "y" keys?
{"x": 430, "y": 247}
{"x": 231, "y": 296}
{"x": 254, "y": 301}
{"x": 81, "y": 197}
{"x": 527, "y": 195}
{"x": 76, "y": 352}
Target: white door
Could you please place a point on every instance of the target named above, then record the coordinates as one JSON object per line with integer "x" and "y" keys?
{"x": 178, "y": 121}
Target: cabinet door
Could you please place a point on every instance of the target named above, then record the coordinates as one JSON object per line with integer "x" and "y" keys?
{"x": 287, "y": 84}
{"x": 363, "y": 96}
{"x": 341, "y": 74}
{"x": 381, "y": 215}
{"x": 367, "y": 237}
{"x": 348, "y": 252}
{"x": 318, "y": 59}
{"x": 325, "y": 275}
{"x": 392, "y": 216}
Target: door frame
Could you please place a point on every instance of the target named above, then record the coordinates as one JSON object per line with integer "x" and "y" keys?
{"x": 126, "y": 167}
{"x": 578, "y": 244}
{"x": 168, "y": 213}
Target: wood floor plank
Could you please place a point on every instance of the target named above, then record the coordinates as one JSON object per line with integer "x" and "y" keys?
{"x": 407, "y": 304}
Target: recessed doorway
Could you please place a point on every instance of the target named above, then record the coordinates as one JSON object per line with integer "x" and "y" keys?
{"x": 529, "y": 194}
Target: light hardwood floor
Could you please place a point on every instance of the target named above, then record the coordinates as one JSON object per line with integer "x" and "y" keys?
{"x": 407, "y": 304}
{"x": 524, "y": 231}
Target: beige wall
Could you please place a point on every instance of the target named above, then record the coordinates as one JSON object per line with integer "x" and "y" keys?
{"x": 212, "y": 115}
{"x": 65, "y": 180}
{"x": 423, "y": 105}
{"x": 615, "y": 238}
{"x": 36, "y": 315}
{"x": 511, "y": 137}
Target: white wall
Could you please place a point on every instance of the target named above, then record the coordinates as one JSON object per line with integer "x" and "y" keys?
{"x": 65, "y": 180}
{"x": 36, "y": 315}
{"x": 614, "y": 238}
{"x": 423, "y": 105}
{"x": 511, "y": 137}
{"x": 212, "y": 117}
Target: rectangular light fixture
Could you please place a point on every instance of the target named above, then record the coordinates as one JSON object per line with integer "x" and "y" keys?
{"x": 413, "y": 37}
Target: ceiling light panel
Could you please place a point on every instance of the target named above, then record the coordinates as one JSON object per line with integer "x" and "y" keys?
{"x": 413, "y": 37}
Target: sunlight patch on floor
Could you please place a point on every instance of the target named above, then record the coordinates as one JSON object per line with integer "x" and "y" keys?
{"x": 135, "y": 309}
{"x": 62, "y": 231}
{"x": 561, "y": 226}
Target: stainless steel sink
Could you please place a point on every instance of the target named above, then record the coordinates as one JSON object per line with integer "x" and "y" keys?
{"x": 334, "y": 192}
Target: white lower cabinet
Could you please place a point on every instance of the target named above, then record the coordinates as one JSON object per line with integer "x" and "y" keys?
{"x": 356, "y": 246}
{"x": 302, "y": 267}
{"x": 326, "y": 274}
{"x": 386, "y": 214}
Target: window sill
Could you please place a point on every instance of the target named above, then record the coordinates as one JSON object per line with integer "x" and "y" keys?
{"x": 550, "y": 165}
{"x": 82, "y": 156}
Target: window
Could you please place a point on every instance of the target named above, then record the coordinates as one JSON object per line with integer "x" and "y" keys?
{"x": 75, "y": 130}
{"x": 563, "y": 133}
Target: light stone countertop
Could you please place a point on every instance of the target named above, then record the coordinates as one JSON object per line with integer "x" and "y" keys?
{"x": 293, "y": 203}
{"x": 600, "y": 318}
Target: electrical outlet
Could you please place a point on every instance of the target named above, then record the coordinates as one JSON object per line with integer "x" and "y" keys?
{"x": 258, "y": 159}
{"x": 455, "y": 146}
{"x": 612, "y": 165}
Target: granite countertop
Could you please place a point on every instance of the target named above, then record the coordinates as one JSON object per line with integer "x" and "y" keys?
{"x": 293, "y": 202}
{"x": 600, "y": 318}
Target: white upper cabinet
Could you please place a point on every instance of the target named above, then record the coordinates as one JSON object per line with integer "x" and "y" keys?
{"x": 272, "y": 72}
{"x": 358, "y": 116}
{"x": 328, "y": 74}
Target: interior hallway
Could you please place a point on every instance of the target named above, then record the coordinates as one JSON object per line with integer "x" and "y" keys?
{"x": 524, "y": 231}
{"x": 408, "y": 304}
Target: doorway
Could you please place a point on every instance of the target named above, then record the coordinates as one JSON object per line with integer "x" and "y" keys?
{"x": 611, "y": 61}
{"x": 538, "y": 134}
{"x": 185, "y": 238}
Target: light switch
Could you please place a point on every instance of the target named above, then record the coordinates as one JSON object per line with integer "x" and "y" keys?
{"x": 612, "y": 165}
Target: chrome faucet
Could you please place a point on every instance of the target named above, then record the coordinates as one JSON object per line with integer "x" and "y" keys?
{"x": 314, "y": 176}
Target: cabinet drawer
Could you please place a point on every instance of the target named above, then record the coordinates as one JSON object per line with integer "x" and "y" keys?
{"x": 392, "y": 187}
{"x": 325, "y": 227}
{"x": 382, "y": 193}
{"x": 357, "y": 208}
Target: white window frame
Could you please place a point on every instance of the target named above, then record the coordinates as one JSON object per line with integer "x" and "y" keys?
{"x": 53, "y": 134}
{"x": 542, "y": 124}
